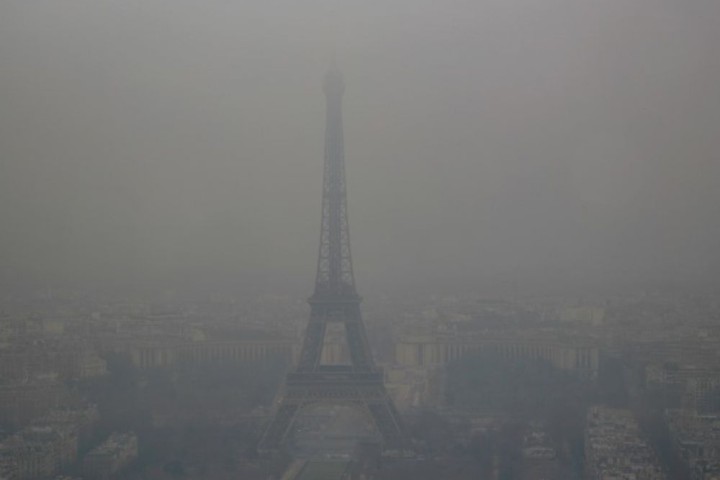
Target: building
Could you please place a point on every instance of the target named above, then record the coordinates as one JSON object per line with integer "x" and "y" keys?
{"x": 39, "y": 452}
{"x": 697, "y": 440}
{"x": 161, "y": 353}
{"x": 114, "y": 454}
{"x": 67, "y": 361}
{"x": 571, "y": 355}
{"x": 80, "y": 420}
{"x": 614, "y": 448}
{"x": 693, "y": 388}
{"x": 21, "y": 402}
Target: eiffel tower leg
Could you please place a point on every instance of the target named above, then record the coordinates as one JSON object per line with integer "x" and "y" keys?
{"x": 312, "y": 345}
{"x": 358, "y": 344}
{"x": 276, "y": 432}
{"x": 389, "y": 424}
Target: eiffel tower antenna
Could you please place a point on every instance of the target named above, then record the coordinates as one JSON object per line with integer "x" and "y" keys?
{"x": 335, "y": 300}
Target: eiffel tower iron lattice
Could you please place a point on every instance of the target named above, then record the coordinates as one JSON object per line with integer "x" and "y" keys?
{"x": 335, "y": 300}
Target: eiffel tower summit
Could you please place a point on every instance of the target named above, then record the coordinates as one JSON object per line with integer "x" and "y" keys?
{"x": 358, "y": 384}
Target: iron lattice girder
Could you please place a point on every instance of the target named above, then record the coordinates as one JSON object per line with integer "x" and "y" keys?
{"x": 335, "y": 300}
{"x": 368, "y": 397}
{"x": 334, "y": 269}
{"x": 328, "y": 310}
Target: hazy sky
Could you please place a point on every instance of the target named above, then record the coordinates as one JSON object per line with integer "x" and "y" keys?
{"x": 574, "y": 140}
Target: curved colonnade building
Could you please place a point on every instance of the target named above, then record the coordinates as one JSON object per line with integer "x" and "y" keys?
{"x": 161, "y": 354}
{"x": 571, "y": 355}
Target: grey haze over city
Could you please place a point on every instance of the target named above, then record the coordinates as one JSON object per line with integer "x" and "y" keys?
{"x": 534, "y": 143}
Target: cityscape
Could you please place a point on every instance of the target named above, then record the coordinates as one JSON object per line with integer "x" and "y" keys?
{"x": 487, "y": 388}
{"x": 169, "y": 311}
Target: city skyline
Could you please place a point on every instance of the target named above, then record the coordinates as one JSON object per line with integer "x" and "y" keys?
{"x": 533, "y": 195}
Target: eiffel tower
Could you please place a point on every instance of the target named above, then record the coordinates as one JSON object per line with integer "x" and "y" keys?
{"x": 335, "y": 300}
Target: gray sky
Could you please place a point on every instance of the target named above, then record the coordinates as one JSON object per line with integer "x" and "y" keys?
{"x": 572, "y": 140}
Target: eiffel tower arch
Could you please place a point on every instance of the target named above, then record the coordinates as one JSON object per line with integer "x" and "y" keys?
{"x": 358, "y": 384}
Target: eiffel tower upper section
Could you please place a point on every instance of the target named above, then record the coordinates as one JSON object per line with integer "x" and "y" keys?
{"x": 335, "y": 300}
{"x": 334, "y": 281}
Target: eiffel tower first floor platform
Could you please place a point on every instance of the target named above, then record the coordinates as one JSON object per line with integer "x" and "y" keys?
{"x": 336, "y": 385}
